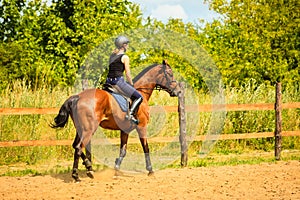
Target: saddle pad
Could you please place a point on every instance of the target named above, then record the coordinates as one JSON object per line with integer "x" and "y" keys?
{"x": 121, "y": 101}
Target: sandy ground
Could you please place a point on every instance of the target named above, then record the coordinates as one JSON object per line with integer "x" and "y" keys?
{"x": 279, "y": 180}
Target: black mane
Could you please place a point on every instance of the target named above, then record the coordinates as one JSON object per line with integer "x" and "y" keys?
{"x": 143, "y": 72}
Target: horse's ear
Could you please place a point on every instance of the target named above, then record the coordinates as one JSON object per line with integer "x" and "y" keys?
{"x": 165, "y": 62}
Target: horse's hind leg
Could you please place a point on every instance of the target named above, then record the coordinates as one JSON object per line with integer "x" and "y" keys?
{"x": 77, "y": 145}
{"x": 88, "y": 151}
{"x": 123, "y": 146}
{"x": 87, "y": 160}
{"x": 77, "y": 155}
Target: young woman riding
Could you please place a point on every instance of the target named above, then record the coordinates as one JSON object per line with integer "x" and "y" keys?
{"x": 118, "y": 63}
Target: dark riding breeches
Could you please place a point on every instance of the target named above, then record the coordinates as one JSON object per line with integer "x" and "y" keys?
{"x": 126, "y": 88}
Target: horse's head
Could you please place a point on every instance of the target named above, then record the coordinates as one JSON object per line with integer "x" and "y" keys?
{"x": 166, "y": 80}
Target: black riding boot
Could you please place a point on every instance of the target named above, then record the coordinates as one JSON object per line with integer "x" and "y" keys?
{"x": 133, "y": 110}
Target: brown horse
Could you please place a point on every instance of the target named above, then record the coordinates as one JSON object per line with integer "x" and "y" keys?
{"x": 94, "y": 107}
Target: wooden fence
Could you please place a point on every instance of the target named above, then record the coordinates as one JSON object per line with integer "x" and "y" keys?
{"x": 277, "y": 106}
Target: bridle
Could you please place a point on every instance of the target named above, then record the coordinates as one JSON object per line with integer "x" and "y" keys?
{"x": 166, "y": 77}
{"x": 169, "y": 81}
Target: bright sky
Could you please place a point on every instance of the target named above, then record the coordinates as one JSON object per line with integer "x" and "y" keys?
{"x": 187, "y": 10}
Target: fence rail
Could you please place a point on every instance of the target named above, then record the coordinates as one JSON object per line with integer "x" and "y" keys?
{"x": 115, "y": 141}
{"x": 157, "y": 109}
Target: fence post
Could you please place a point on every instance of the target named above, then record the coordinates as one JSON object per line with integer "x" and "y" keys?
{"x": 182, "y": 126}
{"x": 278, "y": 121}
{"x": 85, "y": 84}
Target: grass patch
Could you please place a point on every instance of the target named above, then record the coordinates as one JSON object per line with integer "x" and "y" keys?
{"x": 207, "y": 162}
{"x": 65, "y": 167}
{"x": 16, "y": 173}
{"x": 250, "y": 158}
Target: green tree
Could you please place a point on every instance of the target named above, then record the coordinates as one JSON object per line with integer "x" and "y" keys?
{"x": 175, "y": 42}
{"x": 255, "y": 40}
{"x": 10, "y": 14}
{"x": 52, "y": 40}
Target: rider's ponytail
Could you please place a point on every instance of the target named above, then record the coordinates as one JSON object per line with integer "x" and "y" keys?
{"x": 116, "y": 51}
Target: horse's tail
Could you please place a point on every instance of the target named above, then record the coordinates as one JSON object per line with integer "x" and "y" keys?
{"x": 62, "y": 118}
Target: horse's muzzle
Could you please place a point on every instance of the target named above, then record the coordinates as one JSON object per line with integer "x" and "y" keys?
{"x": 173, "y": 94}
{"x": 176, "y": 89}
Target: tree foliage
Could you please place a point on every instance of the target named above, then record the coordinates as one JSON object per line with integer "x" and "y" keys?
{"x": 52, "y": 40}
{"x": 47, "y": 43}
{"x": 256, "y": 40}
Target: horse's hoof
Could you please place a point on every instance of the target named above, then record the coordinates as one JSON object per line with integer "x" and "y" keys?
{"x": 151, "y": 173}
{"x": 118, "y": 173}
{"x": 117, "y": 167}
{"x": 75, "y": 175}
{"x": 77, "y": 179}
{"x": 90, "y": 174}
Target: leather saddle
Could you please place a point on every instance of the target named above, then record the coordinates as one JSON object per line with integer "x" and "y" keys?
{"x": 123, "y": 101}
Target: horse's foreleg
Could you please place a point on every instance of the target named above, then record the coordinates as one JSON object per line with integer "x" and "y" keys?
{"x": 123, "y": 146}
{"x": 147, "y": 155}
{"x": 143, "y": 138}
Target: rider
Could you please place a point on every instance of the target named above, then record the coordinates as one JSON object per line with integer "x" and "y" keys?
{"x": 118, "y": 63}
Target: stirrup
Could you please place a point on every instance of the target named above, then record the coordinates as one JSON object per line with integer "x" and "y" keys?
{"x": 132, "y": 119}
